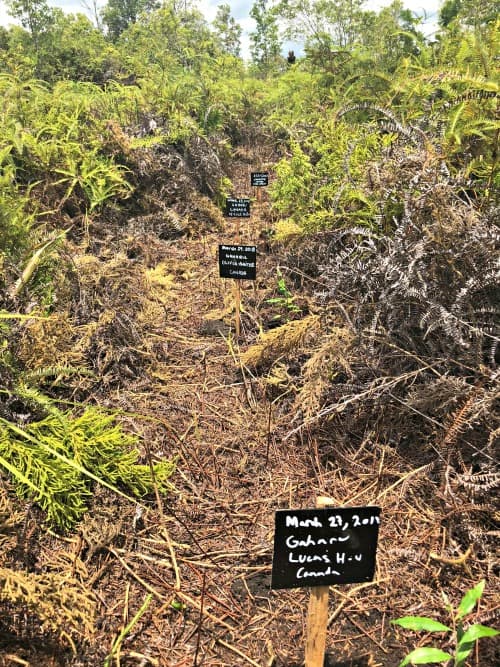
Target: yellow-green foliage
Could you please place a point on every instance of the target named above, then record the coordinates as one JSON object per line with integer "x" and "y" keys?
{"x": 277, "y": 343}
{"x": 63, "y": 604}
{"x": 328, "y": 191}
{"x": 57, "y": 136}
{"x": 54, "y": 461}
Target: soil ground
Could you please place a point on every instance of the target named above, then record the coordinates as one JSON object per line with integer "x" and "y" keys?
{"x": 204, "y": 552}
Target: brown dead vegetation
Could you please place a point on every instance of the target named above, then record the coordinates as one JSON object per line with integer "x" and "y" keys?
{"x": 242, "y": 417}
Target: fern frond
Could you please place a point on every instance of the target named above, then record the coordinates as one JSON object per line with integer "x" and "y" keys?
{"x": 410, "y": 132}
{"x": 480, "y": 482}
{"x": 320, "y": 369}
{"x": 9, "y": 520}
{"x": 483, "y": 94}
{"x": 36, "y": 399}
{"x": 55, "y": 371}
{"x": 45, "y": 479}
{"x": 458, "y": 422}
{"x": 53, "y": 461}
{"x": 278, "y": 342}
{"x": 63, "y": 605}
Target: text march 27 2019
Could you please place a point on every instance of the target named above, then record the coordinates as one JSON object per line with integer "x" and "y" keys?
{"x": 324, "y": 547}
{"x": 238, "y": 262}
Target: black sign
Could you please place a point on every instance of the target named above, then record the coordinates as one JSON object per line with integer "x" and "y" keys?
{"x": 259, "y": 178}
{"x": 238, "y": 208}
{"x": 238, "y": 262}
{"x": 323, "y": 547}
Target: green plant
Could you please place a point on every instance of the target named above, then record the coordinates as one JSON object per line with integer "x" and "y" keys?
{"x": 117, "y": 643}
{"x": 464, "y": 639}
{"x": 285, "y": 299}
{"x": 53, "y": 462}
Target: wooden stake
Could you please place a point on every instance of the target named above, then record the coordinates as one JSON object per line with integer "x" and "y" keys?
{"x": 259, "y": 194}
{"x": 237, "y": 291}
{"x": 237, "y": 302}
{"x": 317, "y": 615}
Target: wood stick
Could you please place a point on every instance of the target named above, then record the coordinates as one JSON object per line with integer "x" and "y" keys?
{"x": 237, "y": 302}
{"x": 317, "y": 615}
{"x": 238, "y": 652}
{"x": 237, "y": 292}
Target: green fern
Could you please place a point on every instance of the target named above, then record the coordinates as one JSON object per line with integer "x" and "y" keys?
{"x": 43, "y": 478}
{"x": 54, "y": 461}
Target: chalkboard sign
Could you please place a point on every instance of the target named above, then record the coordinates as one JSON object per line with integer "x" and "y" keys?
{"x": 237, "y": 208}
{"x": 238, "y": 262}
{"x": 323, "y": 547}
{"x": 259, "y": 178}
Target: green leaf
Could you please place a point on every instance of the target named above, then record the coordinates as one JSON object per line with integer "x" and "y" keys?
{"x": 462, "y": 653}
{"x": 468, "y": 640}
{"x": 475, "y": 632}
{"x": 470, "y": 599}
{"x": 424, "y": 656}
{"x": 421, "y": 623}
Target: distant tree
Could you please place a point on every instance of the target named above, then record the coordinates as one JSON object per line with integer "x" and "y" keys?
{"x": 265, "y": 43}
{"x": 449, "y": 12}
{"x": 4, "y": 39}
{"x": 77, "y": 50}
{"x": 70, "y": 47}
{"x": 34, "y": 15}
{"x": 168, "y": 38}
{"x": 335, "y": 23}
{"x": 94, "y": 11}
{"x": 391, "y": 35}
{"x": 475, "y": 13}
{"x": 227, "y": 30}
{"x": 117, "y": 15}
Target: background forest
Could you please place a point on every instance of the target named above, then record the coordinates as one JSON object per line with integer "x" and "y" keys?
{"x": 370, "y": 340}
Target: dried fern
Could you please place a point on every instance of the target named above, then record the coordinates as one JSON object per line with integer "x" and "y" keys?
{"x": 274, "y": 344}
{"x": 321, "y": 368}
{"x": 9, "y": 520}
{"x": 63, "y": 605}
{"x": 458, "y": 422}
{"x": 480, "y": 483}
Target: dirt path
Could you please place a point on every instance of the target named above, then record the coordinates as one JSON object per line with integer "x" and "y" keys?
{"x": 195, "y": 566}
{"x": 233, "y": 473}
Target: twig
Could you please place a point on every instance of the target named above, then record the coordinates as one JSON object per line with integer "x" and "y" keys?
{"x": 187, "y": 598}
{"x": 350, "y": 595}
{"x": 143, "y": 583}
{"x": 361, "y": 629}
{"x": 460, "y": 560}
{"x": 200, "y": 621}
{"x": 401, "y": 480}
{"x": 238, "y": 652}
{"x": 378, "y": 386}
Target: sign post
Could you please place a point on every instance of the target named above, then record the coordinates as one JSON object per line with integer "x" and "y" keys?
{"x": 317, "y": 615}
{"x": 259, "y": 179}
{"x": 319, "y": 548}
{"x": 238, "y": 262}
{"x": 237, "y": 207}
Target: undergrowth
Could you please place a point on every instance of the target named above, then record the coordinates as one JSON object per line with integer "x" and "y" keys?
{"x": 56, "y": 462}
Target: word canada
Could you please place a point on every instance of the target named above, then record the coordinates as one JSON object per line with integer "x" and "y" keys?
{"x": 323, "y": 547}
{"x": 238, "y": 262}
{"x": 237, "y": 208}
